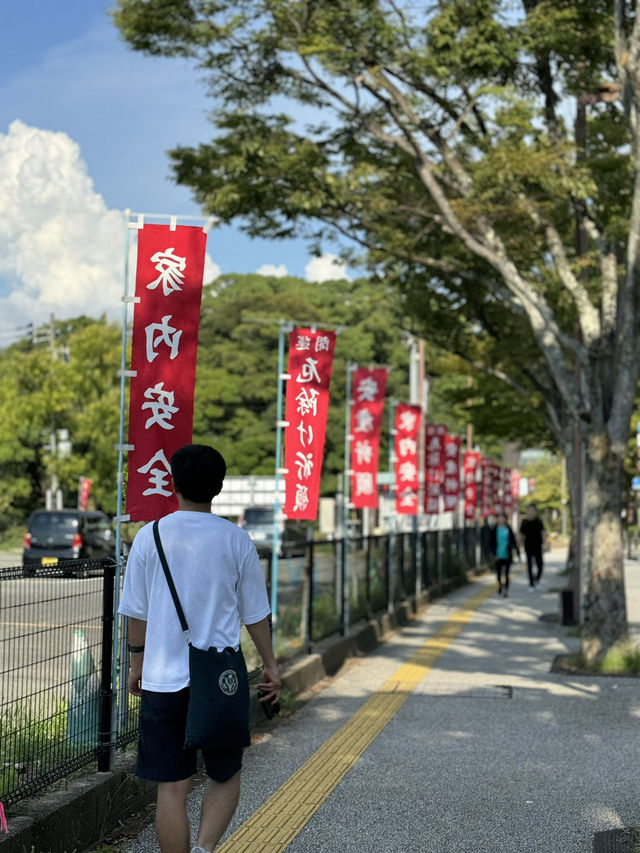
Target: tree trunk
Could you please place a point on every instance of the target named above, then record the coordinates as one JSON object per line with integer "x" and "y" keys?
{"x": 604, "y": 604}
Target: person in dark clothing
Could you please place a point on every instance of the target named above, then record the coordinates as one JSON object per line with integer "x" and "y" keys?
{"x": 532, "y": 538}
{"x": 502, "y": 544}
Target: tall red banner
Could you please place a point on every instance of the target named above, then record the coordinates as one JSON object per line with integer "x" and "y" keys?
{"x": 310, "y": 364}
{"x": 451, "y": 483}
{"x": 369, "y": 387}
{"x": 515, "y": 487}
{"x": 169, "y": 275}
{"x": 471, "y": 463}
{"x": 507, "y": 496}
{"x": 407, "y": 425}
{"x": 487, "y": 488}
{"x": 84, "y": 490}
{"x": 435, "y": 435}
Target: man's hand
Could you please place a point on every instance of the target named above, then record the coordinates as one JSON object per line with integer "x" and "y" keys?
{"x": 270, "y": 685}
{"x": 134, "y": 680}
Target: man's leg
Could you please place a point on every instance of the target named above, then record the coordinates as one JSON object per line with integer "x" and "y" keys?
{"x": 172, "y": 824}
{"x": 530, "y": 567}
{"x": 218, "y": 805}
{"x": 538, "y": 556}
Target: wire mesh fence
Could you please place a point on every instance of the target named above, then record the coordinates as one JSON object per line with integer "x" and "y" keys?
{"x": 64, "y": 704}
{"x": 51, "y": 628}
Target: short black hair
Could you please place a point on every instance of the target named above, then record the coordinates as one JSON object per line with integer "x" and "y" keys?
{"x": 198, "y": 472}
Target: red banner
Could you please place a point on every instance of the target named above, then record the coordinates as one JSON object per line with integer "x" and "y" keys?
{"x": 169, "y": 275}
{"x": 471, "y": 463}
{"x": 507, "y": 496}
{"x": 310, "y": 364}
{"x": 487, "y": 488}
{"x": 407, "y": 425}
{"x": 515, "y": 486}
{"x": 434, "y": 463}
{"x": 84, "y": 489}
{"x": 369, "y": 387}
{"x": 451, "y": 483}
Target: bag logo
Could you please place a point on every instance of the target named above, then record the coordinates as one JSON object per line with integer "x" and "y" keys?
{"x": 228, "y": 682}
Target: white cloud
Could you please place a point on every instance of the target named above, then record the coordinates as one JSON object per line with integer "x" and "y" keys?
{"x": 211, "y": 269}
{"x": 61, "y": 247}
{"x": 274, "y": 271}
{"x": 327, "y": 267}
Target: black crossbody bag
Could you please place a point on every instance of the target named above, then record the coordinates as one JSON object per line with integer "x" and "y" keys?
{"x": 218, "y": 714}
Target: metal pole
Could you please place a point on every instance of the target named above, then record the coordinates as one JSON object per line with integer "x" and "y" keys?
{"x": 392, "y": 514}
{"x": 121, "y": 451}
{"x": 347, "y": 495}
{"x": 275, "y": 548}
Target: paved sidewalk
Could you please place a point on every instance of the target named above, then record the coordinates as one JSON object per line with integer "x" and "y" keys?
{"x": 487, "y": 753}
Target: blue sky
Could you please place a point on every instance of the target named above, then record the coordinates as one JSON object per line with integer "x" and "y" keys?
{"x": 94, "y": 122}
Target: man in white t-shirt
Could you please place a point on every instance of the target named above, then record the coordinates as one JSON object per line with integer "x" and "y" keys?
{"x": 220, "y": 584}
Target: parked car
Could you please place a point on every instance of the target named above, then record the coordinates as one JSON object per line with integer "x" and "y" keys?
{"x": 258, "y": 522}
{"x": 54, "y": 536}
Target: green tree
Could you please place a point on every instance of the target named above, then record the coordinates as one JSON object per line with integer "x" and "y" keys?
{"x": 547, "y": 494}
{"x": 235, "y": 400}
{"x": 437, "y": 141}
{"x": 42, "y": 391}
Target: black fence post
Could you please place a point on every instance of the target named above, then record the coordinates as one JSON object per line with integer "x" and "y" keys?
{"x": 310, "y": 566}
{"x": 106, "y": 750}
{"x": 367, "y": 582}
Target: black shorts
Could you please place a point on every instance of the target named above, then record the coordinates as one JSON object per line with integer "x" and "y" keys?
{"x": 161, "y": 754}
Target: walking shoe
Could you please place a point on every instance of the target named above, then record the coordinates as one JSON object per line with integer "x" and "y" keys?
{"x": 500, "y": 590}
{"x": 197, "y": 849}
{"x": 531, "y": 589}
{"x": 506, "y": 592}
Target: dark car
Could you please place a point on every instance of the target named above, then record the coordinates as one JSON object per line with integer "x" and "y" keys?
{"x": 54, "y": 536}
{"x": 258, "y": 522}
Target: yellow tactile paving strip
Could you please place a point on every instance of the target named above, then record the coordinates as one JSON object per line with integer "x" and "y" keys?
{"x": 277, "y": 822}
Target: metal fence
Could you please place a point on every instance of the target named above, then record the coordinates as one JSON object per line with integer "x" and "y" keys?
{"x": 60, "y": 710}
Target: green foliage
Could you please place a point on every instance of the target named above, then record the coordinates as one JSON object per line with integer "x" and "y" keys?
{"x": 621, "y": 659}
{"x": 40, "y": 394}
{"x": 356, "y": 119}
{"x": 547, "y": 473}
{"x": 26, "y": 733}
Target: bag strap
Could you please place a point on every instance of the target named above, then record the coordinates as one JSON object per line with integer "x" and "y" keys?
{"x": 167, "y": 574}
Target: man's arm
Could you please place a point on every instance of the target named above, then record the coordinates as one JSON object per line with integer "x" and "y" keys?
{"x": 137, "y": 635}
{"x": 260, "y": 633}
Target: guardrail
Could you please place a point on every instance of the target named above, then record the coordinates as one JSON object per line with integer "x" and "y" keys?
{"x": 60, "y": 711}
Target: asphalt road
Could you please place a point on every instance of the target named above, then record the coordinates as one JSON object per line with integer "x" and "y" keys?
{"x": 43, "y": 620}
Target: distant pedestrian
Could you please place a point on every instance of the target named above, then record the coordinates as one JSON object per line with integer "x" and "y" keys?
{"x": 502, "y": 544}
{"x": 219, "y": 582}
{"x": 532, "y": 537}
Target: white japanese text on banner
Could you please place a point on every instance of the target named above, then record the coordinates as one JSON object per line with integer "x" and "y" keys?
{"x": 169, "y": 273}
{"x": 407, "y": 425}
{"x": 451, "y": 485}
{"x": 369, "y": 388}
{"x": 435, "y": 436}
{"x": 310, "y": 365}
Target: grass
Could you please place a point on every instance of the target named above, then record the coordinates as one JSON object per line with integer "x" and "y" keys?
{"x": 622, "y": 659}
{"x": 25, "y": 735}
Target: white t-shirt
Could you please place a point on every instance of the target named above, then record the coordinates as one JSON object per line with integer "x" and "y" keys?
{"x": 218, "y": 577}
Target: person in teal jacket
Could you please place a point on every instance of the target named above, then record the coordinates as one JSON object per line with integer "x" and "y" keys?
{"x": 502, "y": 544}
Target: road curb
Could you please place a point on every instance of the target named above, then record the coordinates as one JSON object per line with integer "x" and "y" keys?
{"x": 78, "y": 816}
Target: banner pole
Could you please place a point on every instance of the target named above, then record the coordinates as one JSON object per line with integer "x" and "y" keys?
{"x": 278, "y": 468}
{"x": 346, "y": 500}
{"x": 118, "y": 574}
{"x": 392, "y": 514}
